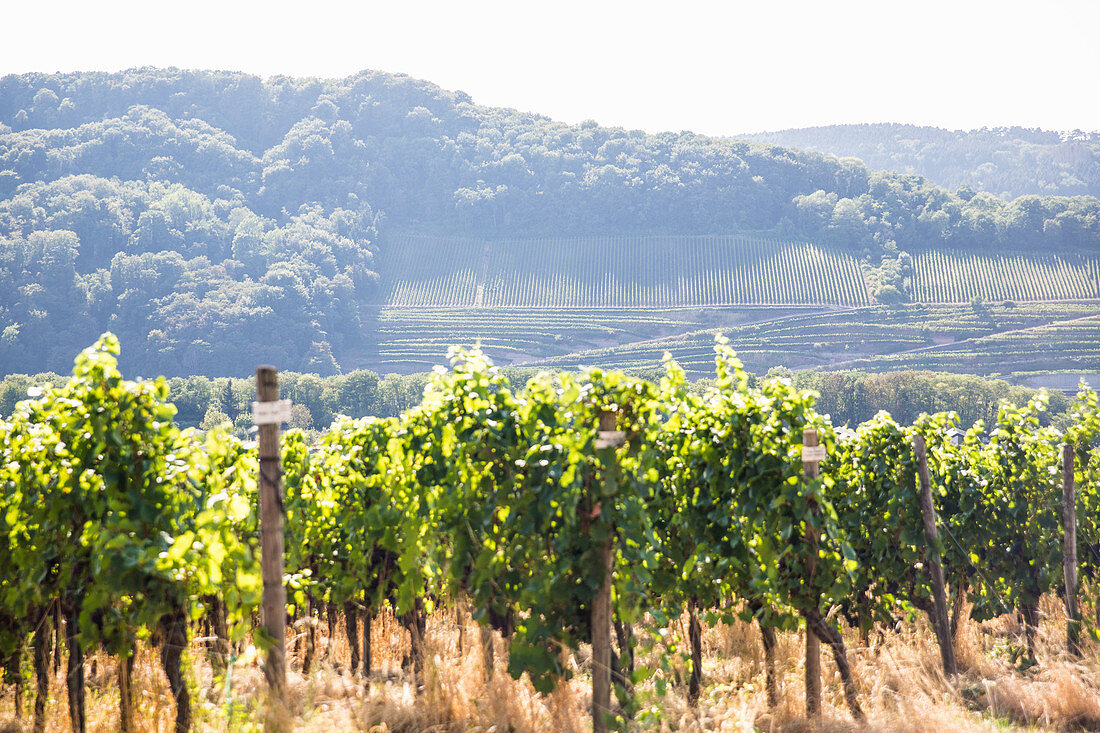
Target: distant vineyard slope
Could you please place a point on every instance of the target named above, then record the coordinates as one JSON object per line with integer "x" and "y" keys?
{"x": 958, "y": 277}
{"x": 624, "y": 301}
{"x": 704, "y": 271}
{"x": 620, "y": 272}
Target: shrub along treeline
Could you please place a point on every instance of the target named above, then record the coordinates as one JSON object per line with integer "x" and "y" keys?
{"x": 849, "y": 398}
{"x": 194, "y": 213}
{"x": 855, "y": 397}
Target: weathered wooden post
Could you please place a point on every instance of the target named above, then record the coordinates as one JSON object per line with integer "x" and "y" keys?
{"x": 367, "y": 645}
{"x": 935, "y": 569}
{"x": 607, "y": 441}
{"x": 812, "y": 455}
{"x": 1069, "y": 551}
{"x": 126, "y": 691}
{"x": 818, "y": 628}
{"x": 41, "y": 645}
{"x": 267, "y": 413}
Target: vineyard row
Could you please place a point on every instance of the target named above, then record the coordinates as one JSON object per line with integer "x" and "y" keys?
{"x": 678, "y": 272}
{"x": 555, "y": 509}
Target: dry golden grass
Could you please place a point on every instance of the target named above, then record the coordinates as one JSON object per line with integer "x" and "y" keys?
{"x": 902, "y": 687}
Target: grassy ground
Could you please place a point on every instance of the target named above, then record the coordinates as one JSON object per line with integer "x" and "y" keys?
{"x": 902, "y": 688}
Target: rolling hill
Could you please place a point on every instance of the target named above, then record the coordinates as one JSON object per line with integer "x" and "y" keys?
{"x": 1006, "y": 161}
{"x": 215, "y": 220}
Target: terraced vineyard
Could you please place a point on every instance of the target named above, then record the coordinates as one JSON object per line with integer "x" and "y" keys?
{"x": 952, "y": 338}
{"x": 947, "y": 277}
{"x": 619, "y": 272}
{"x": 418, "y": 338}
{"x": 1072, "y": 344}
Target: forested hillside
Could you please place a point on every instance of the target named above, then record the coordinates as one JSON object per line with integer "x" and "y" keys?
{"x": 1004, "y": 161}
{"x": 214, "y": 220}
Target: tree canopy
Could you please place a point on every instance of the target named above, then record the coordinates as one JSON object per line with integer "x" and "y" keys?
{"x": 1004, "y": 161}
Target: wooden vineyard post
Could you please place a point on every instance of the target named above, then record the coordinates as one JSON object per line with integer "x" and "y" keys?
{"x": 811, "y": 467}
{"x": 935, "y": 569}
{"x": 1069, "y": 551}
{"x": 267, "y": 413}
{"x": 608, "y": 439}
{"x": 817, "y": 627}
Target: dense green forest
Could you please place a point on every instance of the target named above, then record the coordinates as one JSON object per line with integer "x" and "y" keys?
{"x": 215, "y": 220}
{"x": 1004, "y": 161}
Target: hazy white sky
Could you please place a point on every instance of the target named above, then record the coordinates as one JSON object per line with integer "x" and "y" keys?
{"x": 714, "y": 67}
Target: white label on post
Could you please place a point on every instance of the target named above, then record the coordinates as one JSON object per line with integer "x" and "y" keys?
{"x": 815, "y": 453}
{"x": 271, "y": 413}
{"x": 610, "y": 438}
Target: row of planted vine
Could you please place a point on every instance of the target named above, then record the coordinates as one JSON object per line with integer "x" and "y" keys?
{"x": 947, "y": 278}
{"x": 619, "y": 272}
{"x": 503, "y": 500}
